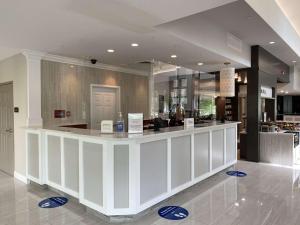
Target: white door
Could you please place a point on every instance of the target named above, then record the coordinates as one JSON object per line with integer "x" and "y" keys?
{"x": 105, "y": 104}
{"x": 6, "y": 129}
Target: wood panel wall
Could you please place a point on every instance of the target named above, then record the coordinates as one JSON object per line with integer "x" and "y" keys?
{"x": 66, "y": 87}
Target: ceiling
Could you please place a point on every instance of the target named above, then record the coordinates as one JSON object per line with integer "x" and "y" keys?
{"x": 85, "y": 29}
{"x": 291, "y": 10}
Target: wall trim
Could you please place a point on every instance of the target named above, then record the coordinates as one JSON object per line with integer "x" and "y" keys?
{"x": 80, "y": 62}
{"x": 20, "y": 177}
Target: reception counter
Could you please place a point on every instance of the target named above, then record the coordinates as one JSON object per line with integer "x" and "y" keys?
{"x": 126, "y": 174}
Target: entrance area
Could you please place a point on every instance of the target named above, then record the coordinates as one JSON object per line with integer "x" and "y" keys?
{"x": 6, "y": 128}
{"x": 105, "y": 104}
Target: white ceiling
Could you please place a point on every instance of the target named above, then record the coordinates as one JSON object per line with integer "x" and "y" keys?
{"x": 291, "y": 10}
{"x": 87, "y": 28}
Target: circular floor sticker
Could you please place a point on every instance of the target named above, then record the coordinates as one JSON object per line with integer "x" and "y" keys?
{"x": 173, "y": 212}
{"x": 236, "y": 173}
{"x": 53, "y": 202}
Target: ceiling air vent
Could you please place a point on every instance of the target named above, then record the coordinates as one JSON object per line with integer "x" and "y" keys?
{"x": 234, "y": 42}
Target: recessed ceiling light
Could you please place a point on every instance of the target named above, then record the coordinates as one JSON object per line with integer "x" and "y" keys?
{"x": 272, "y": 42}
{"x": 71, "y": 66}
{"x": 286, "y": 92}
{"x": 134, "y": 45}
{"x": 294, "y": 61}
{"x": 281, "y": 91}
{"x": 173, "y": 56}
{"x": 178, "y": 67}
{"x": 200, "y": 63}
{"x": 110, "y": 50}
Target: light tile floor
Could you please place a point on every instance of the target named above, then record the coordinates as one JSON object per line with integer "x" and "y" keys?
{"x": 267, "y": 196}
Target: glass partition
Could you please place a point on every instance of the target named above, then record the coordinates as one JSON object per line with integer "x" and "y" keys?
{"x": 180, "y": 92}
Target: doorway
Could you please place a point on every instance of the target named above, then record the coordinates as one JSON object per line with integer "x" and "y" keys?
{"x": 105, "y": 104}
{"x": 7, "y": 129}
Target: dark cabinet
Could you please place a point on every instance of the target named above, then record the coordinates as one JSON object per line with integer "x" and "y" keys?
{"x": 288, "y": 104}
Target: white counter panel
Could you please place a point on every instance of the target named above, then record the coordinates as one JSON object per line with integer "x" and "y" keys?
{"x": 71, "y": 164}
{"x": 54, "y": 159}
{"x": 201, "y": 154}
{"x": 180, "y": 161}
{"x": 153, "y": 175}
{"x": 230, "y": 144}
{"x": 33, "y": 155}
{"x": 217, "y": 148}
{"x": 92, "y": 174}
{"x": 121, "y": 176}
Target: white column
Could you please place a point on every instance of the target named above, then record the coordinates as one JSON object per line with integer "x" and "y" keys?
{"x": 34, "y": 96}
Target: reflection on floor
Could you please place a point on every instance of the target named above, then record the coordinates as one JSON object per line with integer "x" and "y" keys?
{"x": 268, "y": 195}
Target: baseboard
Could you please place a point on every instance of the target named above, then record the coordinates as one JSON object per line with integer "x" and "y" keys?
{"x": 20, "y": 177}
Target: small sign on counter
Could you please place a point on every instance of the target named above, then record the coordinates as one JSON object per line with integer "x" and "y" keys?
{"x": 107, "y": 126}
{"x": 135, "y": 123}
{"x": 188, "y": 123}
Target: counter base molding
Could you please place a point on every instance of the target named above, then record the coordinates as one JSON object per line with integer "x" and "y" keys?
{"x": 125, "y": 176}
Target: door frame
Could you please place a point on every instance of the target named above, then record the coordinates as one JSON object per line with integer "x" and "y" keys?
{"x": 118, "y": 94}
{"x": 13, "y": 128}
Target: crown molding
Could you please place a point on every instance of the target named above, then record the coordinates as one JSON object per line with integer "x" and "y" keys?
{"x": 80, "y": 62}
{"x": 30, "y": 54}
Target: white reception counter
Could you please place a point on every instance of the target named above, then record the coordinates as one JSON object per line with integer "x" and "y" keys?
{"x": 126, "y": 175}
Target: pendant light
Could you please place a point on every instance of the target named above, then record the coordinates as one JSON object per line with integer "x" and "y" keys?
{"x": 227, "y": 81}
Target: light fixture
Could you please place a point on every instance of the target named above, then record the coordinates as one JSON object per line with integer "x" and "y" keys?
{"x": 243, "y": 199}
{"x": 71, "y": 66}
{"x": 282, "y": 91}
{"x": 237, "y": 204}
{"x": 294, "y": 61}
{"x": 272, "y": 42}
{"x": 178, "y": 67}
{"x": 134, "y": 45}
{"x": 246, "y": 80}
{"x": 239, "y": 79}
{"x": 200, "y": 63}
{"x": 110, "y": 50}
{"x": 173, "y": 56}
{"x": 286, "y": 92}
{"x": 236, "y": 76}
{"x": 227, "y": 81}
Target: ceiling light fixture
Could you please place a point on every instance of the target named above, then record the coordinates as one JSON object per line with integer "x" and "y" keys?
{"x": 227, "y": 81}
{"x": 294, "y": 61}
{"x": 110, "y": 50}
{"x": 282, "y": 91}
{"x": 286, "y": 92}
{"x": 173, "y": 56}
{"x": 200, "y": 63}
{"x": 239, "y": 79}
{"x": 272, "y": 42}
{"x": 246, "y": 80}
{"x": 134, "y": 45}
{"x": 178, "y": 67}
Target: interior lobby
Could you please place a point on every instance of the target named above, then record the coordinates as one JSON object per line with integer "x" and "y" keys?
{"x": 150, "y": 113}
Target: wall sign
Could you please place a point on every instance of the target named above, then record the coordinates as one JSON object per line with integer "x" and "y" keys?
{"x": 266, "y": 92}
{"x": 135, "y": 123}
{"x": 53, "y": 202}
{"x": 173, "y": 213}
{"x": 59, "y": 113}
{"x": 236, "y": 173}
{"x": 188, "y": 123}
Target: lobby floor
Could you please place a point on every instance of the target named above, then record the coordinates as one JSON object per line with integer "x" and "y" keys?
{"x": 267, "y": 196}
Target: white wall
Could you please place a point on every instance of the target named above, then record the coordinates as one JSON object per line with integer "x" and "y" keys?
{"x": 14, "y": 69}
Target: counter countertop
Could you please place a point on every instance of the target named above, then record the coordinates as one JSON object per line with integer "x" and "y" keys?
{"x": 124, "y": 136}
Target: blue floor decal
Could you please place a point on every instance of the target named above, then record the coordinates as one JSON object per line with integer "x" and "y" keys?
{"x": 236, "y": 173}
{"x": 173, "y": 212}
{"x": 53, "y": 202}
